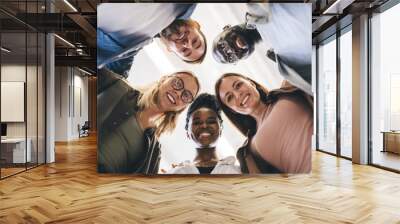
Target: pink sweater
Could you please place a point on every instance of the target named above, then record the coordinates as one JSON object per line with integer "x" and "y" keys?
{"x": 284, "y": 137}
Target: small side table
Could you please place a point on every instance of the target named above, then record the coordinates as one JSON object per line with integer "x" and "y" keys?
{"x": 391, "y": 141}
{"x": 14, "y": 150}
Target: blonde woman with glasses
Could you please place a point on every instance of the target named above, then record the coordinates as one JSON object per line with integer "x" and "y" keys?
{"x": 131, "y": 120}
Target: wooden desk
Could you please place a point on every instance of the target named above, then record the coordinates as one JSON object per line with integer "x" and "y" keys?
{"x": 391, "y": 141}
{"x": 13, "y": 150}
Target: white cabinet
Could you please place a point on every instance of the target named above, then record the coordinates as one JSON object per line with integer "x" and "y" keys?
{"x": 17, "y": 145}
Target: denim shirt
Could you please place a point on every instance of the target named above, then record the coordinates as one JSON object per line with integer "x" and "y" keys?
{"x": 122, "y": 32}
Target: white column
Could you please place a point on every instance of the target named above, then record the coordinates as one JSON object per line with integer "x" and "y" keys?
{"x": 50, "y": 92}
{"x": 50, "y": 100}
{"x": 360, "y": 90}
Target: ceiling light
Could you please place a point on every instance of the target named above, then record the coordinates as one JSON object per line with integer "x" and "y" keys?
{"x": 84, "y": 71}
{"x": 79, "y": 51}
{"x": 64, "y": 40}
{"x": 5, "y": 50}
{"x": 338, "y": 6}
{"x": 70, "y": 5}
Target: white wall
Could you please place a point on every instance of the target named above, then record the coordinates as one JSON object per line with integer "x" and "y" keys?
{"x": 12, "y": 73}
{"x": 80, "y": 118}
{"x": 33, "y": 126}
{"x": 70, "y": 83}
{"x": 16, "y": 73}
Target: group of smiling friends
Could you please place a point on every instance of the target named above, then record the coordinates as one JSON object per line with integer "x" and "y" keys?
{"x": 277, "y": 124}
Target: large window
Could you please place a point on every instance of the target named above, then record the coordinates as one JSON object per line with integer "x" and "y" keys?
{"x": 345, "y": 60}
{"x": 327, "y": 96}
{"x": 385, "y": 89}
{"x": 334, "y": 99}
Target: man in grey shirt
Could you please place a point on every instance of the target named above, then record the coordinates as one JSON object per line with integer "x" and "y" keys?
{"x": 284, "y": 29}
{"x": 123, "y": 29}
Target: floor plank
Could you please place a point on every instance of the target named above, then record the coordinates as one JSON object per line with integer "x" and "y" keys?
{"x": 71, "y": 191}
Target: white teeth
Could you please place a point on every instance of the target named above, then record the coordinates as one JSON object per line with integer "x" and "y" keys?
{"x": 171, "y": 98}
{"x": 245, "y": 100}
{"x": 205, "y": 134}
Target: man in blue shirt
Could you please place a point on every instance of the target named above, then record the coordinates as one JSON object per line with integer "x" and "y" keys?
{"x": 123, "y": 29}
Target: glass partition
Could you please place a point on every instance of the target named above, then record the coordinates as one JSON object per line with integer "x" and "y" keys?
{"x": 31, "y": 99}
{"x": 22, "y": 91}
{"x": 13, "y": 103}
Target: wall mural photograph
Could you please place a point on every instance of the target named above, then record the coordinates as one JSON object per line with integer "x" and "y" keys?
{"x": 204, "y": 88}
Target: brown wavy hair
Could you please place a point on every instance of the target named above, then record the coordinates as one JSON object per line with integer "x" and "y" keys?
{"x": 246, "y": 124}
{"x": 194, "y": 24}
{"x": 167, "y": 121}
{"x": 201, "y": 59}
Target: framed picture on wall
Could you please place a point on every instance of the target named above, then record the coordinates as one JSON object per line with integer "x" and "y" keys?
{"x": 12, "y": 98}
{"x": 204, "y": 88}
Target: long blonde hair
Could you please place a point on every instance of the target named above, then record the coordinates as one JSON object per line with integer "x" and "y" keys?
{"x": 168, "y": 120}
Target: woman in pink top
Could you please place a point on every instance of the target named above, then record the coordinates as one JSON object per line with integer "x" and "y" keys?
{"x": 278, "y": 124}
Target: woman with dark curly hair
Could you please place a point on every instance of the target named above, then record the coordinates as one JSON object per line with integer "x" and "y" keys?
{"x": 204, "y": 127}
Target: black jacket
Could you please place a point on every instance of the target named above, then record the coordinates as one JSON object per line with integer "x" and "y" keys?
{"x": 117, "y": 104}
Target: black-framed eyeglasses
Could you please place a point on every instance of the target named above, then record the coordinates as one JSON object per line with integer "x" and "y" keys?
{"x": 186, "y": 95}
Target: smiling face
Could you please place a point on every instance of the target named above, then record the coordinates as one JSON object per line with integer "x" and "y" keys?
{"x": 234, "y": 44}
{"x": 184, "y": 39}
{"x": 176, "y": 92}
{"x": 204, "y": 127}
{"x": 239, "y": 94}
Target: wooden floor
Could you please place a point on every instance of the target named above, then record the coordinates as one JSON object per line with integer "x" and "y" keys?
{"x": 5, "y": 172}
{"x": 387, "y": 159}
{"x": 70, "y": 191}
{"x": 8, "y": 171}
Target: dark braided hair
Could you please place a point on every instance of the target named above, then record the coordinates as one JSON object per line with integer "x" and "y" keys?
{"x": 204, "y": 100}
